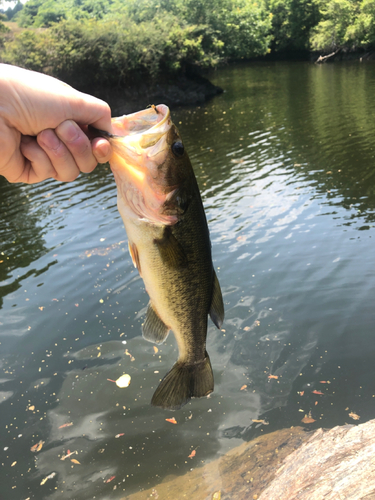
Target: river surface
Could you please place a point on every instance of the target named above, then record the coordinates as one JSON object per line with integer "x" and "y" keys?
{"x": 285, "y": 162}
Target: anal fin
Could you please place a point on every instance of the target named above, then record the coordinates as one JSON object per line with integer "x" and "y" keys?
{"x": 153, "y": 329}
{"x": 217, "y": 306}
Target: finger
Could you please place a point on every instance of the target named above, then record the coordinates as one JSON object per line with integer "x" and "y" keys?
{"x": 59, "y": 155}
{"x": 90, "y": 110}
{"x": 78, "y": 144}
{"x": 101, "y": 149}
{"x": 38, "y": 166}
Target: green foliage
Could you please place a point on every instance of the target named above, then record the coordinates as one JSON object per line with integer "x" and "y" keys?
{"x": 363, "y": 29}
{"x": 111, "y": 42}
{"x": 333, "y": 31}
{"x": 116, "y": 42}
{"x": 292, "y": 21}
{"x": 3, "y": 29}
{"x": 11, "y": 12}
{"x": 30, "y": 49}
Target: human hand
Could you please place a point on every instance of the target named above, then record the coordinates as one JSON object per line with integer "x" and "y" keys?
{"x": 42, "y": 128}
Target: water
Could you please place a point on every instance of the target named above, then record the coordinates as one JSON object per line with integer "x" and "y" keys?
{"x": 285, "y": 162}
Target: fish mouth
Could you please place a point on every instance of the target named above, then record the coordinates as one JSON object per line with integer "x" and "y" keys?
{"x": 140, "y": 146}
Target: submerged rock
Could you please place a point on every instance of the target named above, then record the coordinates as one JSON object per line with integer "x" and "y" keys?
{"x": 290, "y": 464}
{"x": 240, "y": 474}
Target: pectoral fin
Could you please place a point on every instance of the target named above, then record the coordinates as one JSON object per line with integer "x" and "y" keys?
{"x": 153, "y": 329}
{"x": 171, "y": 251}
{"x": 217, "y": 305}
{"x": 134, "y": 255}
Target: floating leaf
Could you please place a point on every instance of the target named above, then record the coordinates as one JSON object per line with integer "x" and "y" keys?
{"x": 264, "y": 422}
{"x": 216, "y": 495}
{"x": 123, "y": 381}
{"x": 307, "y": 419}
{"x": 31, "y": 408}
{"x": 192, "y": 454}
{"x": 14, "y": 463}
{"x": 171, "y": 420}
{"x": 50, "y": 476}
{"x": 69, "y": 454}
{"x": 155, "y": 349}
{"x": 132, "y": 358}
{"x": 38, "y": 446}
{"x": 68, "y": 424}
{"x": 354, "y": 416}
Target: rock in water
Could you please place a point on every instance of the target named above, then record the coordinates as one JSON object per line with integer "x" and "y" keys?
{"x": 333, "y": 464}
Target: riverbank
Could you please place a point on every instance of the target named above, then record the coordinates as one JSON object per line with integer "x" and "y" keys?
{"x": 284, "y": 465}
{"x": 182, "y": 91}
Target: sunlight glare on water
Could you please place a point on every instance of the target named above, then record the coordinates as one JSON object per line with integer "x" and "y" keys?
{"x": 285, "y": 162}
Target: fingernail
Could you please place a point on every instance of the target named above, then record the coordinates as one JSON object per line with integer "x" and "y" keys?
{"x": 102, "y": 151}
{"x": 68, "y": 131}
{"x": 48, "y": 139}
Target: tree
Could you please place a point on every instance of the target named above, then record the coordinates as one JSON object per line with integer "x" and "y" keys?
{"x": 292, "y": 21}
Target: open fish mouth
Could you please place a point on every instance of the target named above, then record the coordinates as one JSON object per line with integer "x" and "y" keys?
{"x": 141, "y": 146}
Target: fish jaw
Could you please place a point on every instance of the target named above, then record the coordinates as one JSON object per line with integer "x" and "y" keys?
{"x": 140, "y": 148}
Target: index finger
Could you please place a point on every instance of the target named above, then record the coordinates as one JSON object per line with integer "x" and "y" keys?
{"x": 89, "y": 110}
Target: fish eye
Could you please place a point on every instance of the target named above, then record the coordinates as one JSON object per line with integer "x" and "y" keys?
{"x": 178, "y": 148}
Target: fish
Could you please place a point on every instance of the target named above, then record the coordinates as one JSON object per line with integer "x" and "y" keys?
{"x": 160, "y": 204}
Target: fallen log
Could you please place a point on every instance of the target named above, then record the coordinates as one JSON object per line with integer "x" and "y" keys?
{"x": 322, "y": 59}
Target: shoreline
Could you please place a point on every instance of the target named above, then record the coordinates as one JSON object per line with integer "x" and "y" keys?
{"x": 182, "y": 91}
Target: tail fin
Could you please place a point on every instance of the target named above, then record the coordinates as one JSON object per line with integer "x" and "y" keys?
{"x": 184, "y": 382}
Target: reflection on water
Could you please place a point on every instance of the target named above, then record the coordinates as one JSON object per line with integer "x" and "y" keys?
{"x": 285, "y": 162}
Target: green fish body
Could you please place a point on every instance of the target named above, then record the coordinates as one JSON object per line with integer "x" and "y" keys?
{"x": 160, "y": 204}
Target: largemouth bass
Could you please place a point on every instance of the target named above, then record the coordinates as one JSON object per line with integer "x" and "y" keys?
{"x": 159, "y": 201}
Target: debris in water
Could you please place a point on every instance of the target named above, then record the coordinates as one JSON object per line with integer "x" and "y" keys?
{"x": 171, "y": 420}
{"x": 38, "y": 446}
{"x": 354, "y": 416}
{"x": 50, "y": 476}
{"x": 264, "y": 422}
{"x": 69, "y": 454}
{"x": 123, "y": 381}
{"x": 68, "y": 424}
{"x": 307, "y": 419}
